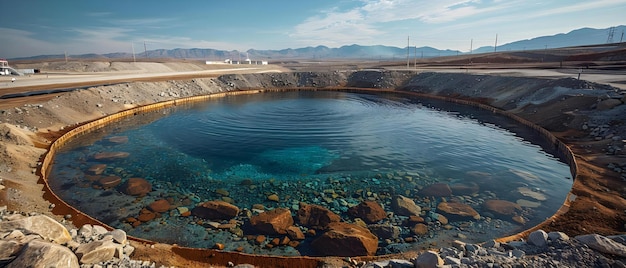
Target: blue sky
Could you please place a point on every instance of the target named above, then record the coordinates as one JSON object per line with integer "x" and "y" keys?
{"x": 39, "y": 27}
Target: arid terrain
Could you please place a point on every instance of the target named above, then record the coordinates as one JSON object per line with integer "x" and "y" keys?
{"x": 588, "y": 115}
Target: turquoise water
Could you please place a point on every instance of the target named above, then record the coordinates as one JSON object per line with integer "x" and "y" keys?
{"x": 329, "y": 148}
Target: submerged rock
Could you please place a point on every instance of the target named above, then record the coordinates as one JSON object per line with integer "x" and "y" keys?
{"x": 368, "y": 211}
{"x": 96, "y": 169}
{"x": 109, "y": 182}
{"x": 136, "y": 187}
{"x": 215, "y": 210}
{"x": 344, "y": 239}
{"x": 458, "y": 210}
{"x": 316, "y": 216}
{"x": 110, "y": 156}
{"x": 465, "y": 188}
{"x": 271, "y": 222}
{"x": 118, "y": 139}
{"x": 160, "y": 206}
{"x": 502, "y": 207}
{"x": 437, "y": 189}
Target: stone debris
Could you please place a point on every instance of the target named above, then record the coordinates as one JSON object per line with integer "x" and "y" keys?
{"x": 405, "y": 206}
{"x": 344, "y": 239}
{"x": 213, "y": 210}
{"x": 275, "y": 221}
{"x": 40, "y": 241}
{"x": 368, "y": 211}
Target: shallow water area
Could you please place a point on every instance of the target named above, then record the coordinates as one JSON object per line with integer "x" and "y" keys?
{"x": 334, "y": 149}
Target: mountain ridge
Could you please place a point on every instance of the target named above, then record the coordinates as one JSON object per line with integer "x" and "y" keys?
{"x": 577, "y": 37}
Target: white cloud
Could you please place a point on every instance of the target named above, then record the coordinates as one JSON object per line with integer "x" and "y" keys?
{"x": 374, "y": 19}
{"x": 335, "y": 28}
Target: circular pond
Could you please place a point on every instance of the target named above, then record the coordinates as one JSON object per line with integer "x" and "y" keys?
{"x": 473, "y": 176}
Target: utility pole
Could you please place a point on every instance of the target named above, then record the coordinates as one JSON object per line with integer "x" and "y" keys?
{"x": 408, "y": 51}
{"x": 132, "y": 45}
{"x": 415, "y": 57}
{"x": 495, "y": 47}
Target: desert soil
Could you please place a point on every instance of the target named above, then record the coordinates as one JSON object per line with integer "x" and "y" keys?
{"x": 580, "y": 118}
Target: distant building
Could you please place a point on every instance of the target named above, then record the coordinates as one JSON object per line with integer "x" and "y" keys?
{"x": 246, "y": 61}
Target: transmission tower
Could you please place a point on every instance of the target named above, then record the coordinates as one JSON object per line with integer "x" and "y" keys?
{"x": 609, "y": 39}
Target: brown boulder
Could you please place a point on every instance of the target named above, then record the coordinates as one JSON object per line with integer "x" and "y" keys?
{"x": 437, "y": 189}
{"x": 458, "y": 210}
{"x": 146, "y": 215}
{"x": 109, "y": 182}
{"x": 344, "y": 239}
{"x": 420, "y": 229}
{"x": 502, "y": 207}
{"x": 316, "y": 216}
{"x": 109, "y": 156}
{"x": 215, "y": 210}
{"x": 271, "y": 222}
{"x": 405, "y": 206}
{"x": 136, "y": 187}
{"x": 160, "y": 206}
{"x": 295, "y": 233}
{"x": 368, "y": 211}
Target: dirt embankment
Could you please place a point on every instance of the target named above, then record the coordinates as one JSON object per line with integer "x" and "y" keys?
{"x": 590, "y": 118}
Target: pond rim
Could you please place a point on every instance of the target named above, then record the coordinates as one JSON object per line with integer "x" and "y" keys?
{"x": 223, "y": 257}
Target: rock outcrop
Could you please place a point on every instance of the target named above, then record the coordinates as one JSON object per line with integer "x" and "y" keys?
{"x": 454, "y": 210}
{"x": 136, "y": 187}
{"x": 215, "y": 210}
{"x": 405, "y": 206}
{"x": 368, "y": 211}
{"x": 272, "y": 222}
{"x": 344, "y": 239}
{"x": 316, "y": 216}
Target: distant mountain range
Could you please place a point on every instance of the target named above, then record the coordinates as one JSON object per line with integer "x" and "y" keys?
{"x": 579, "y": 37}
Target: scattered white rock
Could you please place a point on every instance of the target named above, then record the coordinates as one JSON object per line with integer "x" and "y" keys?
{"x": 42, "y": 225}
{"x": 39, "y": 253}
{"x": 603, "y": 244}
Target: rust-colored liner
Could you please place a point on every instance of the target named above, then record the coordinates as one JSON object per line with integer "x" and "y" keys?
{"x": 220, "y": 257}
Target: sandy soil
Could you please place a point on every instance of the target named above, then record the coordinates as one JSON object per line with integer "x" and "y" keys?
{"x": 28, "y": 125}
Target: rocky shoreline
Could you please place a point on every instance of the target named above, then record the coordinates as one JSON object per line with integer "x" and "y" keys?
{"x": 595, "y": 116}
{"x": 35, "y": 240}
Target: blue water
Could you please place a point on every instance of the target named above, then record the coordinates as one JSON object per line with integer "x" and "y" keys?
{"x": 298, "y": 144}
